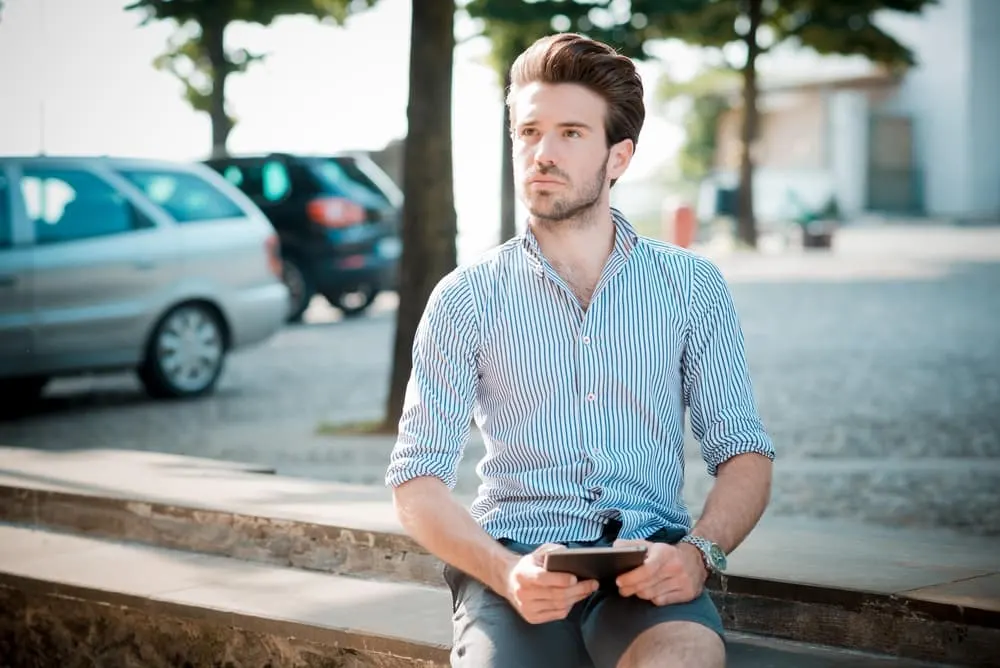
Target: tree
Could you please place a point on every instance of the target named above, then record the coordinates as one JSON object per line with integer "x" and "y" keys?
{"x": 429, "y": 219}
{"x": 844, "y": 27}
{"x": 197, "y": 54}
{"x": 703, "y": 99}
{"x": 514, "y": 25}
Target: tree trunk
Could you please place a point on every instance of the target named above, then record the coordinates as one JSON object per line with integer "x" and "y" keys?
{"x": 429, "y": 221}
{"x": 508, "y": 200}
{"x": 746, "y": 228}
{"x": 213, "y": 36}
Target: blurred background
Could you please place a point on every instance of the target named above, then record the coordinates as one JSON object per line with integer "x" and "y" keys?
{"x": 212, "y": 241}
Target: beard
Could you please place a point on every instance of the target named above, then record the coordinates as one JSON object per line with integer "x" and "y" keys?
{"x": 551, "y": 209}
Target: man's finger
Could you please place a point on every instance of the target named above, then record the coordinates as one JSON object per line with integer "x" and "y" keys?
{"x": 544, "y": 578}
{"x": 542, "y": 550}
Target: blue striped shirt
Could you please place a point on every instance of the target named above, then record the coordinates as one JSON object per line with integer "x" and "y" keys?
{"x": 581, "y": 412}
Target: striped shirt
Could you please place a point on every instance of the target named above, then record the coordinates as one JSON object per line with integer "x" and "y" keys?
{"x": 581, "y": 412}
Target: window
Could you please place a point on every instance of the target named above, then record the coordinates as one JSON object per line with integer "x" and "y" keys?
{"x": 268, "y": 181}
{"x": 72, "y": 204}
{"x": 187, "y": 197}
{"x": 6, "y": 222}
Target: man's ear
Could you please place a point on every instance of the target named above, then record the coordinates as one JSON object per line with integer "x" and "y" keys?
{"x": 619, "y": 158}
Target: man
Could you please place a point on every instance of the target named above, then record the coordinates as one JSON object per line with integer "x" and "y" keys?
{"x": 576, "y": 348}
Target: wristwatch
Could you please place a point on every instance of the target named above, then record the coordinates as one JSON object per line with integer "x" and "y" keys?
{"x": 713, "y": 555}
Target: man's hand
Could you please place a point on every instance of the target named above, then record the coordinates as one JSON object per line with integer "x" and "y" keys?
{"x": 670, "y": 574}
{"x": 540, "y": 596}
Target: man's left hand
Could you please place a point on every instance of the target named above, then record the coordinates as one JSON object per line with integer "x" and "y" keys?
{"x": 670, "y": 574}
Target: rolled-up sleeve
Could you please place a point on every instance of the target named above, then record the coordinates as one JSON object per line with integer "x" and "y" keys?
{"x": 717, "y": 386}
{"x": 440, "y": 394}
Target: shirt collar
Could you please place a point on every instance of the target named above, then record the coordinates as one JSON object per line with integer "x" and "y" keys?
{"x": 626, "y": 239}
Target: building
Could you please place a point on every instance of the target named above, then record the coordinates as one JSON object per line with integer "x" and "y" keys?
{"x": 925, "y": 144}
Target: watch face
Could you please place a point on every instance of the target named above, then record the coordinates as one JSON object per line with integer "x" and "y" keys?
{"x": 718, "y": 557}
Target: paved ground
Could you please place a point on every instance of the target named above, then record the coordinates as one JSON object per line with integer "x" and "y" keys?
{"x": 877, "y": 369}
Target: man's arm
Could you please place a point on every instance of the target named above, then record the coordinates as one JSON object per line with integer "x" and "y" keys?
{"x": 734, "y": 445}
{"x": 423, "y": 466}
{"x": 432, "y": 516}
{"x": 434, "y": 427}
{"x": 737, "y": 500}
{"x": 724, "y": 417}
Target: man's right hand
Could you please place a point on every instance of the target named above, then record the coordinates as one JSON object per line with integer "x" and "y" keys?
{"x": 539, "y": 595}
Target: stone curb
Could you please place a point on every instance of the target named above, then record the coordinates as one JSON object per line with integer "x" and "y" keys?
{"x": 50, "y": 624}
{"x": 850, "y": 619}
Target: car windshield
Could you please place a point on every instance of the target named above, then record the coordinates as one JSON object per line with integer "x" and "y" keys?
{"x": 334, "y": 176}
{"x": 368, "y": 174}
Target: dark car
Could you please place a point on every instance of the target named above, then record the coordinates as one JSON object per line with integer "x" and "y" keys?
{"x": 339, "y": 232}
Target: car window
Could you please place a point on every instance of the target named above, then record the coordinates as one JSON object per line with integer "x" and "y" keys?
{"x": 187, "y": 197}
{"x": 6, "y": 222}
{"x": 268, "y": 181}
{"x": 275, "y": 180}
{"x": 338, "y": 181}
{"x": 369, "y": 177}
{"x": 71, "y": 204}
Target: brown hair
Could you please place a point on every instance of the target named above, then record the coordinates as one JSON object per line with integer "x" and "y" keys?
{"x": 572, "y": 58}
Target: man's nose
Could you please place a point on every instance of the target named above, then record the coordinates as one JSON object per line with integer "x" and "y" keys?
{"x": 546, "y": 151}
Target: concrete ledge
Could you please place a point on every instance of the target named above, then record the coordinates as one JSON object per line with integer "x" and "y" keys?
{"x": 45, "y": 624}
{"x": 839, "y": 617}
{"x": 60, "y": 601}
{"x": 284, "y": 542}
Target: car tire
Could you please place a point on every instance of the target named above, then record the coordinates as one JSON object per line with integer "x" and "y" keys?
{"x": 21, "y": 395}
{"x": 186, "y": 353}
{"x": 300, "y": 288}
{"x": 354, "y": 303}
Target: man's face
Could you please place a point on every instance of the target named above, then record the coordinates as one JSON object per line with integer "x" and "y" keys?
{"x": 562, "y": 163}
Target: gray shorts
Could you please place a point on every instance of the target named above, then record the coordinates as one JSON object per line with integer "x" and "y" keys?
{"x": 489, "y": 633}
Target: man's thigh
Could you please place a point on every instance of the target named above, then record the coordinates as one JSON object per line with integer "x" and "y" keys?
{"x": 611, "y": 623}
{"x": 489, "y": 633}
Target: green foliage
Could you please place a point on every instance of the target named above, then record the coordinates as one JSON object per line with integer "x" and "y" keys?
{"x": 843, "y": 27}
{"x": 263, "y": 12}
{"x": 196, "y": 53}
{"x": 513, "y": 25}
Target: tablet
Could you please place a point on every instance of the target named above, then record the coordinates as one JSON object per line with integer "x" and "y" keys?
{"x": 596, "y": 563}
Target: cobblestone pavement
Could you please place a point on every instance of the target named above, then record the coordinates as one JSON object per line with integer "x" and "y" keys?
{"x": 876, "y": 367}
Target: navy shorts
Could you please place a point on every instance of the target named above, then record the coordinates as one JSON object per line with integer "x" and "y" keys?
{"x": 489, "y": 632}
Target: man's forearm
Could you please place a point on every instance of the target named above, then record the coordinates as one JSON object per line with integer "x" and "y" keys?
{"x": 432, "y": 517}
{"x": 737, "y": 500}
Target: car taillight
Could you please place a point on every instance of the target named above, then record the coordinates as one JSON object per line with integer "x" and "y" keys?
{"x": 334, "y": 212}
{"x": 274, "y": 262}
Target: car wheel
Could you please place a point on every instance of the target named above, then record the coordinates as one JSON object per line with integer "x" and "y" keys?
{"x": 21, "y": 395}
{"x": 186, "y": 353}
{"x": 355, "y": 302}
{"x": 300, "y": 288}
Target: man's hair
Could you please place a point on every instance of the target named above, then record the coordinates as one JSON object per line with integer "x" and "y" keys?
{"x": 575, "y": 59}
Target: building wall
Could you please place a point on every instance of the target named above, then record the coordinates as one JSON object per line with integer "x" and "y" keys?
{"x": 937, "y": 94}
{"x": 984, "y": 109}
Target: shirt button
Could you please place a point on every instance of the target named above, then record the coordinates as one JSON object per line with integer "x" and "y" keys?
{"x": 586, "y": 340}
{"x": 591, "y": 396}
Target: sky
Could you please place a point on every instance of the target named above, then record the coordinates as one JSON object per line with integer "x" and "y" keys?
{"x": 77, "y": 78}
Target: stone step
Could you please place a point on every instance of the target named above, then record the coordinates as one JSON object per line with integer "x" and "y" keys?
{"x": 123, "y": 604}
{"x": 931, "y": 596}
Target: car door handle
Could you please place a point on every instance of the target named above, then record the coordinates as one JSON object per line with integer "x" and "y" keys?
{"x": 8, "y": 281}
{"x": 145, "y": 265}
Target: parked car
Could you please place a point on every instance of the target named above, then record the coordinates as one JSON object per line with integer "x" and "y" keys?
{"x": 339, "y": 235}
{"x": 109, "y": 263}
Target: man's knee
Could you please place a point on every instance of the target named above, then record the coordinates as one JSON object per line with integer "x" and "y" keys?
{"x": 669, "y": 644}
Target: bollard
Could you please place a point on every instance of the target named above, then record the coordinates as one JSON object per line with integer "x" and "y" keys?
{"x": 680, "y": 225}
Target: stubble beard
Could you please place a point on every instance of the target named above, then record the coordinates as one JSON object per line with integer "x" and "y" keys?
{"x": 574, "y": 211}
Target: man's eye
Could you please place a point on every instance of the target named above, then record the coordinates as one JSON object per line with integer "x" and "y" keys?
{"x": 526, "y": 132}
{"x": 573, "y": 133}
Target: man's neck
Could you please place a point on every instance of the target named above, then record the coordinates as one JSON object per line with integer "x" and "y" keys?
{"x": 581, "y": 245}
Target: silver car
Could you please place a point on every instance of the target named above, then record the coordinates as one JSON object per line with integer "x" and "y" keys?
{"x": 109, "y": 264}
